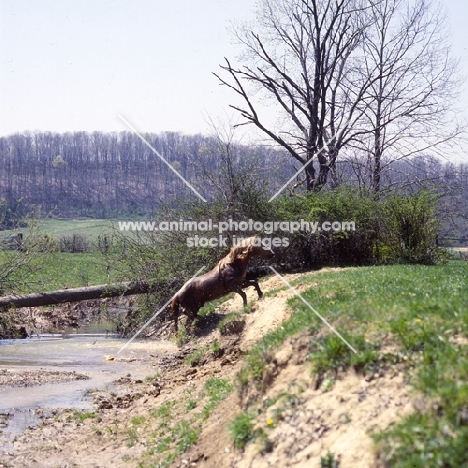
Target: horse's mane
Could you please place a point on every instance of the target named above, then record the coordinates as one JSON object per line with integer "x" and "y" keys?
{"x": 238, "y": 252}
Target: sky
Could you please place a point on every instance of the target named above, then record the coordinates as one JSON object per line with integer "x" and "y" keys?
{"x": 75, "y": 65}
{"x": 69, "y": 65}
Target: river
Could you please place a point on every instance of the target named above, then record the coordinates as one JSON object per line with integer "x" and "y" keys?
{"x": 94, "y": 354}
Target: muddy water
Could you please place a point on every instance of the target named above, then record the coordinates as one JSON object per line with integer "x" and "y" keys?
{"x": 87, "y": 354}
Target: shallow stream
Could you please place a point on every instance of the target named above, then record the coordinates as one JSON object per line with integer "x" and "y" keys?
{"x": 91, "y": 354}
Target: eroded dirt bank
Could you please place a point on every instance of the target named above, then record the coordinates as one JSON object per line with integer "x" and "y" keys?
{"x": 303, "y": 421}
{"x": 26, "y": 322}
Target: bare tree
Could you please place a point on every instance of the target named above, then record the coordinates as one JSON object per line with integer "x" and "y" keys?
{"x": 302, "y": 60}
{"x": 410, "y": 105}
{"x": 345, "y": 73}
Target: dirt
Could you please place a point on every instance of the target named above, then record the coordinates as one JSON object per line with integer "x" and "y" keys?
{"x": 61, "y": 318}
{"x": 302, "y": 418}
{"x": 337, "y": 421}
{"x": 304, "y": 422}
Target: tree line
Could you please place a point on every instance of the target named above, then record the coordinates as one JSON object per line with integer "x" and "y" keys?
{"x": 105, "y": 175}
{"x": 108, "y": 175}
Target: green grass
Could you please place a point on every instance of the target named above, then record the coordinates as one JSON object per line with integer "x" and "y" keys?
{"x": 65, "y": 270}
{"x": 164, "y": 411}
{"x": 216, "y": 349}
{"x": 183, "y": 336}
{"x": 195, "y": 358}
{"x": 421, "y": 309}
{"x": 329, "y": 461}
{"x": 132, "y": 437}
{"x": 241, "y": 429}
{"x": 137, "y": 420}
{"x": 405, "y": 301}
{"x": 81, "y": 416}
{"x": 213, "y": 305}
{"x": 174, "y": 435}
{"x": 216, "y": 390}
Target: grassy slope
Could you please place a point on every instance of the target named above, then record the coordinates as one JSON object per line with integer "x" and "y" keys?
{"x": 421, "y": 309}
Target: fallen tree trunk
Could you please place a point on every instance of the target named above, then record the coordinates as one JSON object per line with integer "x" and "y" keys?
{"x": 76, "y": 294}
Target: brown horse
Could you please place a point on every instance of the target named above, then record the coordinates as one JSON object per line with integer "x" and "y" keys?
{"x": 229, "y": 275}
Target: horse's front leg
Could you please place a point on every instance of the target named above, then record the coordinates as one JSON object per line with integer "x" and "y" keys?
{"x": 256, "y": 285}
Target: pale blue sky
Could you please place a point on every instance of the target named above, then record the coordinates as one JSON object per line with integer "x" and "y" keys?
{"x": 75, "y": 64}
{"x": 70, "y": 65}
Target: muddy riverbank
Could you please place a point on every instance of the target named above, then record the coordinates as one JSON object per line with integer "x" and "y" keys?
{"x": 40, "y": 378}
{"x": 100, "y": 315}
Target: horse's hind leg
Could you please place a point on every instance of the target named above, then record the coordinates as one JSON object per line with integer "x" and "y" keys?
{"x": 191, "y": 314}
{"x": 190, "y": 322}
{"x": 176, "y": 323}
{"x": 175, "y": 313}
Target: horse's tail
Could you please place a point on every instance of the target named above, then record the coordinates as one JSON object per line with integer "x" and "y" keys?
{"x": 175, "y": 311}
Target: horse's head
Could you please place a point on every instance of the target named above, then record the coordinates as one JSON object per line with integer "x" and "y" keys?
{"x": 244, "y": 250}
{"x": 258, "y": 249}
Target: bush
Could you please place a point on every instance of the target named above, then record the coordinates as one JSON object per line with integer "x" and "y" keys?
{"x": 75, "y": 243}
{"x": 352, "y": 247}
{"x": 399, "y": 228}
{"x": 412, "y": 228}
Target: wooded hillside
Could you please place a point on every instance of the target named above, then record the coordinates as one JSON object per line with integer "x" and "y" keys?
{"x": 109, "y": 175}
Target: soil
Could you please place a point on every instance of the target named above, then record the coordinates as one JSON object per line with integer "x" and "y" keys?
{"x": 303, "y": 418}
{"x": 61, "y": 318}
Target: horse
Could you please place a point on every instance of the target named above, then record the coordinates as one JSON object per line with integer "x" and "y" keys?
{"x": 229, "y": 275}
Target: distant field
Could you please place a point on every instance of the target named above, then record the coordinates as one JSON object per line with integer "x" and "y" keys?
{"x": 62, "y": 227}
{"x": 89, "y": 227}
{"x": 69, "y": 270}
{"x": 455, "y": 251}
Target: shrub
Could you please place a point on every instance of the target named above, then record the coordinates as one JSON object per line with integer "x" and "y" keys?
{"x": 75, "y": 243}
{"x": 412, "y": 228}
{"x": 399, "y": 228}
